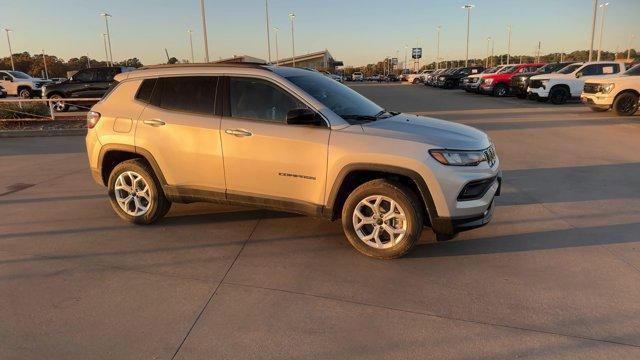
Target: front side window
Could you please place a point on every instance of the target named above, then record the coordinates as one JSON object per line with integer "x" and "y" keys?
{"x": 189, "y": 94}
{"x": 569, "y": 69}
{"x": 4, "y": 76}
{"x": 634, "y": 71}
{"x": 87, "y": 75}
{"x": 19, "y": 75}
{"x": 258, "y": 99}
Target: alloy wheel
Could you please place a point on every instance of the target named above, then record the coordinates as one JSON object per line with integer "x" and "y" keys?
{"x": 379, "y": 222}
{"x": 24, "y": 94}
{"x": 132, "y": 193}
{"x": 58, "y": 105}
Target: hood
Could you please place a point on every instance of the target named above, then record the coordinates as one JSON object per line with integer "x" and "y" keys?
{"x": 435, "y": 132}
{"x": 610, "y": 79}
{"x": 553, "y": 76}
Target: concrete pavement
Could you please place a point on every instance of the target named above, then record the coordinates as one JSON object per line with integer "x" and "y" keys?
{"x": 555, "y": 275}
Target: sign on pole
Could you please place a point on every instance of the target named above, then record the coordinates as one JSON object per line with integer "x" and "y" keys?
{"x": 416, "y": 53}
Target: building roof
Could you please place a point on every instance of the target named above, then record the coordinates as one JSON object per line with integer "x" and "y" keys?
{"x": 311, "y": 56}
{"x": 241, "y": 59}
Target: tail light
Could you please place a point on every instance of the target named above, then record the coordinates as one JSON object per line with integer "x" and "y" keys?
{"x": 92, "y": 119}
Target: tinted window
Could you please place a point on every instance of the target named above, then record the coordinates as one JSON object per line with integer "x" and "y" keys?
{"x": 193, "y": 94}
{"x": 634, "y": 71}
{"x": 569, "y": 68}
{"x": 19, "y": 75}
{"x": 260, "y": 100}
{"x": 145, "y": 90}
{"x": 106, "y": 74}
{"x": 85, "y": 75}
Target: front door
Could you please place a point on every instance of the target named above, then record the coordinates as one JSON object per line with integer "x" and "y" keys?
{"x": 264, "y": 158}
{"x": 6, "y": 81}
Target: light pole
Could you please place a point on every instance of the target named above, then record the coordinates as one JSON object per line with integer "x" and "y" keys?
{"x": 10, "y": 52}
{"x": 106, "y": 23}
{"x": 631, "y": 37}
{"x": 88, "y": 62}
{"x": 275, "y": 30}
{"x": 593, "y": 27}
{"x": 193, "y": 60}
{"x": 509, "y": 46}
{"x": 438, "y": 28}
{"x": 493, "y": 46}
{"x": 468, "y": 7}
{"x": 292, "y": 16}
{"x": 266, "y": 11}
{"x": 406, "y": 48}
{"x": 106, "y": 52}
{"x": 204, "y": 32}
{"x": 486, "y": 63}
{"x": 604, "y": 11}
{"x": 44, "y": 60}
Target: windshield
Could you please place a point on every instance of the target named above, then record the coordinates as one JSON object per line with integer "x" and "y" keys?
{"x": 337, "y": 97}
{"x": 634, "y": 71}
{"x": 490, "y": 70}
{"x": 569, "y": 69}
{"x": 506, "y": 70}
{"x": 19, "y": 75}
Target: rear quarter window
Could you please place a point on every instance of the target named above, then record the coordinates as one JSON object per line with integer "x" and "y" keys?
{"x": 146, "y": 90}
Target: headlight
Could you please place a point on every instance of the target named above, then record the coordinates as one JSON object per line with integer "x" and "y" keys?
{"x": 488, "y": 81}
{"x": 459, "y": 157}
{"x": 544, "y": 83}
{"x": 441, "y": 78}
{"x": 607, "y": 88}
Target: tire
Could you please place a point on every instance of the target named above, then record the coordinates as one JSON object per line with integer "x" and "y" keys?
{"x": 24, "y": 93}
{"x": 598, "y": 109}
{"x": 406, "y": 203}
{"x": 558, "y": 95}
{"x": 59, "y": 106}
{"x": 500, "y": 90}
{"x": 626, "y": 104}
{"x": 415, "y": 81}
{"x": 157, "y": 204}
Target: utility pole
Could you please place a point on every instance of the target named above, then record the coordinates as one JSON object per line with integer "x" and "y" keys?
{"x": 538, "y": 53}
{"x": 193, "y": 60}
{"x": 406, "y": 48}
{"x": 106, "y": 22}
{"x": 438, "y": 28}
{"x": 167, "y": 53}
{"x": 10, "y": 52}
{"x": 604, "y": 11}
{"x": 88, "y": 62}
{"x": 292, "y": 17}
{"x": 468, "y": 7}
{"x": 593, "y": 27}
{"x": 204, "y": 32}
{"x": 106, "y": 51}
{"x": 275, "y": 30}
{"x": 266, "y": 11}
{"x": 493, "y": 46}
{"x": 509, "y": 46}
{"x": 486, "y": 62}
{"x": 631, "y": 37}
{"x": 44, "y": 60}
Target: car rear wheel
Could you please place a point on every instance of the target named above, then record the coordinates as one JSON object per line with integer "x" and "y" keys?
{"x": 382, "y": 219}
{"x": 626, "y": 104}
{"x": 500, "y": 90}
{"x": 415, "y": 81}
{"x": 136, "y": 194}
{"x": 559, "y": 95}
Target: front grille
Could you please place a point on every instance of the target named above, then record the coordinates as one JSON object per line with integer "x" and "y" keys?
{"x": 591, "y": 88}
{"x": 535, "y": 84}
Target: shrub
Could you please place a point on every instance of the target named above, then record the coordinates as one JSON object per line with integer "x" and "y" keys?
{"x": 26, "y": 111}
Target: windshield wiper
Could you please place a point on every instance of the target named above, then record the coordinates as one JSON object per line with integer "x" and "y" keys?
{"x": 360, "y": 117}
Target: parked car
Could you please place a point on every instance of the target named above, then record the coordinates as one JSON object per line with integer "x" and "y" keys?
{"x": 393, "y": 78}
{"x": 357, "y": 76}
{"x": 419, "y": 77}
{"x": 620, "y": 93}
{"x": 498, "y": 84}
{"x": 471, "y": 83}
{"x": 452, "y": 80}
{"x": 291, "y": 140}
{"x": 17, "y": 83}
{"x": 429, "y": 78}
{"x": 335, "y": 77}
{"x": 520, "y": 82}
{"x": 564, "y": 85}
{"x": 86, "y": 83}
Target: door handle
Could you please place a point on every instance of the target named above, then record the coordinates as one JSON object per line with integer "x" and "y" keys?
{"x": 154, "y": 122}
{"x": 238, "y": 132}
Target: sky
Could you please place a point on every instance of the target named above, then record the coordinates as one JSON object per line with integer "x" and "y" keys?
{"x": 354, "y": 31}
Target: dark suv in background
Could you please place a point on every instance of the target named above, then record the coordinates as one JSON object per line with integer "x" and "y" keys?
{"x": 520, "y": 82}
{"x": 86, "y": 83}
{"x": 452, "y": 80}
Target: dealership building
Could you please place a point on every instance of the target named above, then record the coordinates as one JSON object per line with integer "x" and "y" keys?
{"x": 321, "y": 60}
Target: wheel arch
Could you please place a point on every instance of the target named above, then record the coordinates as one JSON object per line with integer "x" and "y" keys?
{"x": 113, "y": 154}
{"x": 354, "y": 175}
{"x": 633, "y": 91}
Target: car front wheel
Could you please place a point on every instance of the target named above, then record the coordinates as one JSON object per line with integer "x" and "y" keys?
{"x": 136, "y": 194}
{"x": 500, "y": 90}
{"x": 559, "y": 95}
{"x": 24, "y": 93}
{"x": 626, "y": 104}
{"x": 382, "y": 219}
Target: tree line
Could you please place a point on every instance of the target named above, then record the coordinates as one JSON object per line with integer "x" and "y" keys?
{"x": 33, "y": 64}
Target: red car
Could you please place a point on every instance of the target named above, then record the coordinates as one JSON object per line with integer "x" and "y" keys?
{"x": 498, "y": 84}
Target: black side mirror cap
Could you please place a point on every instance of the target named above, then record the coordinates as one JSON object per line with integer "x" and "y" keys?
{"x": 303, "y": 117}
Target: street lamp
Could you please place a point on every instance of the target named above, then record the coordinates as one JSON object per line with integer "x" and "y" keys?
{"x": 106, "y": 52}
{"x": 604, "y": 11}
{"x": 204, "y": 32}
{"x": 106, "y": 23}
{"x": 193, "y": 60}
{"x": 509, "y": 46}
{"x": 10, "y": 52}
{"x": 468, "y": 7}
{"x": 292, "y": 16}
{"x": 486, "y": 63}
{"x": 275, "y": 30}
{"x": 266, "y": 11}
{"x": 593, "y": 27}
{"x": 438, "y": 28}
{"x": 406, "y": 48}
{"x": 631, "y": 37}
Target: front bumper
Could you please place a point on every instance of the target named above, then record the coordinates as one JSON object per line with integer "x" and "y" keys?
{"x": 603, "y": 101}
{"x": 454, "y": 225}
{"x": 538, "y": 92}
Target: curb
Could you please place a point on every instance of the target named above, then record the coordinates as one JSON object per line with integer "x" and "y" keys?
{"x": 42, "y": 133}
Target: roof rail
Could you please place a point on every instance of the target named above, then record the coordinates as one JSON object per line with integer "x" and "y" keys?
{"x": 213, "y": 65}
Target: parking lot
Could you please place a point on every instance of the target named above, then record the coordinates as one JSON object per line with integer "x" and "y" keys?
{"x": 556, "y": 273}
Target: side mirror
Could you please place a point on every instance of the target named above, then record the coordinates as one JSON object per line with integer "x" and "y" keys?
{"x": 303, "y": 117}
{"x": 578, "y": 75}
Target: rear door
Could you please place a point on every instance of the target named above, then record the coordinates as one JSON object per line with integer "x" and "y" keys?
{"x": 264, "y": 158}
{"x": 81, "y": 85}
{"x": 180, "y": 128}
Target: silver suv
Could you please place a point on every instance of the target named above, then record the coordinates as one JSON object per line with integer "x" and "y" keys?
{"x": 292, "y": 140}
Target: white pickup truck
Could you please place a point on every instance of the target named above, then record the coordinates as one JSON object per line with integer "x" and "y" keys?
{"x": 568, "y": 83}
{"x": 17, "y": 83}
{"x": 620, "y": 93}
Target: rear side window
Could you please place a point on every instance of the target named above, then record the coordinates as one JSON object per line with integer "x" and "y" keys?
{"x": 191, "y": 94}
{"x": 145, "y": 90}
